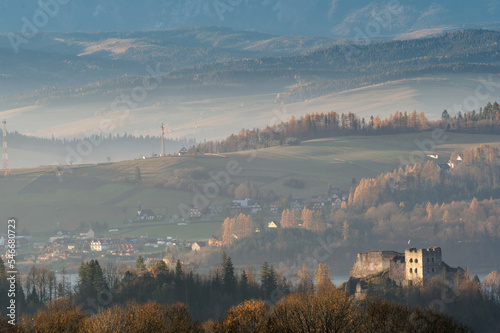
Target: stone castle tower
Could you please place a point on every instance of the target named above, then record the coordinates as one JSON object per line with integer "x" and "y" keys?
{"x": 414, "y": 267}
{"x": 422, "y": 264}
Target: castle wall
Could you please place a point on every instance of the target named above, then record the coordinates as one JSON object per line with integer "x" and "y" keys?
{"x": 397, "y": 269}
{"x": 369, "y": 263}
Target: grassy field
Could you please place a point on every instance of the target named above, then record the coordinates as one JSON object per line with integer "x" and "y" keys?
{"x": 91, "y": 193}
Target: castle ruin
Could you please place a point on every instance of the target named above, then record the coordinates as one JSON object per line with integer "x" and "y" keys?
{"x": 423, "y": 264}
{"x": 413, "y": 268}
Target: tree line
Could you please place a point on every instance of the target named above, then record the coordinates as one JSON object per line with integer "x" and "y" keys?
{"x": 104, "y": 145}
{"x": 475, "y": 173}
{"x": 331, "y": 124}
{"x": 157, "y": 298}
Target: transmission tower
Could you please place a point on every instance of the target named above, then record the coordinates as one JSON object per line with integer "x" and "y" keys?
{"x": 162, "y": 140}
{"x": 5, "y": 155}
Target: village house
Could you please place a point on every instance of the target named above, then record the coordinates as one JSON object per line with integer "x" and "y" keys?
{"x": 297, "y": 204}
{"x": 317, "y": 203}
{"x": 256, "y": 208}
{"x": 334, "y": 192}
{"x": 194, "y": 212}
{"x": 198, "y": 245}
{"x": 337, "y": 203}
{"x": 126, "y": 248}
{"x": 98, "y": 245}
{"x": 87, "y": 235}
{"x": 183, "y": 151}
{"x": 455, "y": 160}
{"x": 274, "y": 207}
{"x": 242, "y": 203}
{"x": 236, "y": 208}
{"x": 146, "y": 215}
{"x": 245, "y": 206}
{"x": 43, "y": 257}
{"x": 272, "y": 225}
{"x": 215, "y": 209}
{"x": 63, "y": 255}
{"x": 104, "y": 244}
{"x": 39, "y": 246}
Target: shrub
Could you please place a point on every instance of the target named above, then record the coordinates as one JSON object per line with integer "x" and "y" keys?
{"x": 292, "y": 141}
{"x": 294, "y": 183}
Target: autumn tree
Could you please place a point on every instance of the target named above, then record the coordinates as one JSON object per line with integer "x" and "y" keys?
{"x": 307, "y": 219}
{"x": 290, "y": 218}
{"x": 236, "y": 228}
{"x": 345, "y": 231}
{"x": 250, "y": 316}
{"x": 323, "y": 277}
{"x": 305, "y": 281}
{"x": 61, "y": 315}
{"x": 329, "y": 311}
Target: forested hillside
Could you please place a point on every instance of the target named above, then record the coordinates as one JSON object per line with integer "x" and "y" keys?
{"x": 297, "y": 77}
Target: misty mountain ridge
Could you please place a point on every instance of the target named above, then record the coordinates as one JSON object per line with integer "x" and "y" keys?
{"x": 56, "y": 59}
{"x": 328, "y": 18}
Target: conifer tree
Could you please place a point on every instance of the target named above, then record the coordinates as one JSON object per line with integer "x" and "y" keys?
{"x": 228, "y": 279}
{"x": 179, "y": 274}
{"x": 244, "y": 285}
{"x": 140, "y": 265}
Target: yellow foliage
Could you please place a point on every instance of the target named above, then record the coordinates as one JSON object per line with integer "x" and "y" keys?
{"x": 247, "y": 317}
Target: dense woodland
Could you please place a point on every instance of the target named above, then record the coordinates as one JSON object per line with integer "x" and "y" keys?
{"x": 177, "y": 299}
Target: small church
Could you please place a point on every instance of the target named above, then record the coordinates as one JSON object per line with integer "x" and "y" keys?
{"x": 412, "y": 268}
{"x": 145, "y": 214}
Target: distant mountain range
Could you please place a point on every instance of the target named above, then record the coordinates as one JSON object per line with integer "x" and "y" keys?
{"x": 213, "y": 62}
{"x": 59, "y": 59}
{"x": 327, "y": 18}
{"x": 209, "y": 82}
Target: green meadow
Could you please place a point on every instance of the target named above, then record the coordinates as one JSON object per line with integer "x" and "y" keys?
{"x": 88, "y": 193}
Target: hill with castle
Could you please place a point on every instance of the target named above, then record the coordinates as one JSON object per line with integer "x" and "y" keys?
{"x": 415, "y": 267}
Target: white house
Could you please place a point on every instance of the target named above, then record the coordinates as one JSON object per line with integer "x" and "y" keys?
{"x": 197, "y": 246}
{"x": 98, "y": 245}
{"x": 242, "y": 203}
